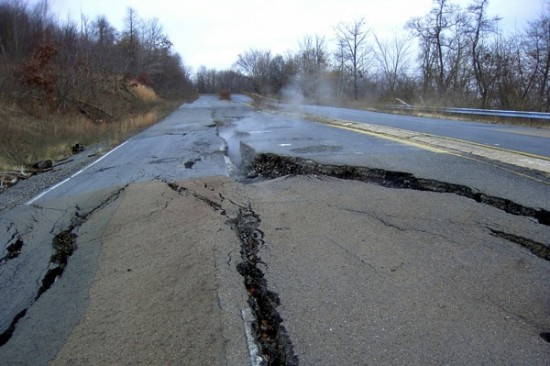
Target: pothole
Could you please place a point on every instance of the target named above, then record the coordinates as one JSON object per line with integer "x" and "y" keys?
{"x": 189, "y": 164}
{"x": 14, "y": 249}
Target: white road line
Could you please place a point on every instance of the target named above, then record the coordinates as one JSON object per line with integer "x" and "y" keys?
{"x": 255, "y": 359}
{"x": 75, "y": 174}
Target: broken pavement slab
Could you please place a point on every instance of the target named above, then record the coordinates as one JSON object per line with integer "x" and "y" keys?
{"x": 361, "y": 273}
{"x": 166, "y": 291}
{"x": 376, "y": 275}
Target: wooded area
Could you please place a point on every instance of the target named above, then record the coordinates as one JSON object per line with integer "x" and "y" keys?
{"x": 90, "y": 66}
{"x": 462, "y": 59}
{"x": 64, "y": 84}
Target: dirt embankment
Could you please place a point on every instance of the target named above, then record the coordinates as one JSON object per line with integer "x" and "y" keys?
{"x": 36, "y": 139}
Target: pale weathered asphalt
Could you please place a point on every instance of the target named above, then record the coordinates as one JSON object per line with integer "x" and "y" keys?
{"x": 364, "y": 274}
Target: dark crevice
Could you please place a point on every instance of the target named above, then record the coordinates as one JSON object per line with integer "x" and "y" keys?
{"x": 539, "y": 249}
{"x": 272, "y": 338}
{"x": 270, "y": 335}
{"x": 190, "y": 163}
{"x": 14, "y": 249}
{"x": 64, "y": 245}
{"x": 6, "y": 335}
{"x": 176, "y": 133}
{"x": 179, "y": 189}
{"x": 545, "y": 336}
{"x": 272, "y": 166}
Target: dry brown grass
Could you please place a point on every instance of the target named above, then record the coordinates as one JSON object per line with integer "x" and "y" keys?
{"x": 145, "y": 93}
{"x": 225, "y": 95}
{"x": 26, "y": 139}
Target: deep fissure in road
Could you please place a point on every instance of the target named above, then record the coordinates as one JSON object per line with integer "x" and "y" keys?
{"x": 63, "y": 245}
{"x": 13, "y": 250}
{"x": 271, "y": 336}
{"x": 14, "y": 244}
{"x": 272, "y": 166}
{"x": 179, "y": 189}
{"x": 539, "y": 249}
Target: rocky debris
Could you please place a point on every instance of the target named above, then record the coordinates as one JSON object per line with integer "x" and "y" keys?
{"x": 29, "y": 181}
{"x": 43, "y": 165}
{"x": 10, "y": 178}
{"x": 77, "y": 148}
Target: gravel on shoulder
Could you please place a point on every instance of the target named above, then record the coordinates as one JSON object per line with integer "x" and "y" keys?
{"x": 28, "y": 188}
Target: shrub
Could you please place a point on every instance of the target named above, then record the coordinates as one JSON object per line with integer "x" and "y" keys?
{"x": 225, "y": 95}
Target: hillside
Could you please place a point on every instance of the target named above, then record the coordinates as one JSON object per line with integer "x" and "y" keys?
{"x": 63, "y": 84}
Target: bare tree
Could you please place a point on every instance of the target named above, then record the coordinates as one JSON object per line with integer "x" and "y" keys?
{"x": 155, "y": 46}
{"x": 312, "y": 64}
{"x": 340, "y": 66}
{"x": 103, "y": 33}
{"x": 353, "y": 39}
{"x": 441, "y": 35}
{"x": 255, "y": 65}
{"x": 211, "y": 81}
{"x": 482, "y": 64}
{"x": 506, "y": 53}
{"x": 536, "y": 46}
{"x": 131, "y": 39}
{"x": 394, "y": 59}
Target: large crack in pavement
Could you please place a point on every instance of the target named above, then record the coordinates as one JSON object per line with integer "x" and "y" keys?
{"x": 537, "y": 165}
{"x": 64, "y": 244}
{"x": 271, "y": 337}
{"x": 13, "y": 250}
{"x": 537, "y": 248}
{"x": 270, "y": 166}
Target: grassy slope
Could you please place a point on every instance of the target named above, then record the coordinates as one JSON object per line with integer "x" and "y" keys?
{"x": 30, "y": 137}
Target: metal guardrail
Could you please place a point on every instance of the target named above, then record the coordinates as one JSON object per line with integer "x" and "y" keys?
{"x": 478, "y": 112}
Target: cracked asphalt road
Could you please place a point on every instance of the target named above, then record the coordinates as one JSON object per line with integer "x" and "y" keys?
{"x": 175, "y": 245}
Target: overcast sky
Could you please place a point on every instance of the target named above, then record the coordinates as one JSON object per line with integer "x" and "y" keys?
{"x": 213, "y": 32}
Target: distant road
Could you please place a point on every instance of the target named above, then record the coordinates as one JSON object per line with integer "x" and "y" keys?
{"x": 525, "y": 139}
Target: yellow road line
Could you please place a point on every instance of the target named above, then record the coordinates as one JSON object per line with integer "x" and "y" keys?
{"x": 486, "y": 162}
{"x": 529, "y": 155}
{"x": 425, "y": 146}
{"x": 423, "y": 134}
{"x": 393, "y": 138}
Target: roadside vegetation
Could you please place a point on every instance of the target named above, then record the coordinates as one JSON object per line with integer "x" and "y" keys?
{"x": 66, "y": 83}
{"x": 63, "y": 84}
{"x": 453, "y": 56}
